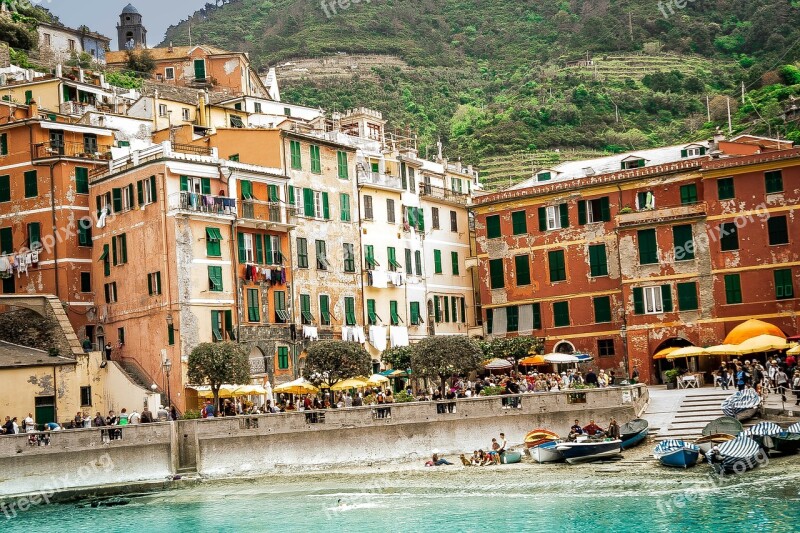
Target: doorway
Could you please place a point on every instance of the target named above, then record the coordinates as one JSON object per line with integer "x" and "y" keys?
{"x": 45, "y": 410}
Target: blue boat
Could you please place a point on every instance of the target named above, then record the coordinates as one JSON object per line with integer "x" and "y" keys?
{"x": 588, "y": 450}
{"x": 633, "y": 432}
{"x": 677, "y": 453}
{"x": 736, "y": 456}
{"x": 547, "y": 452}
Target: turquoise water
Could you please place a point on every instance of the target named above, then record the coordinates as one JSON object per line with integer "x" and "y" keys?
{"x": 449, "y": 499}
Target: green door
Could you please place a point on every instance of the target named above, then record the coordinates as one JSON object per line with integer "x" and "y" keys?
{"x": 200, "y": 69}
{"x": 45, "y": 410}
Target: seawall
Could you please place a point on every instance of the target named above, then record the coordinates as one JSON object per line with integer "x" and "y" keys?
{"x": 252, "y": 445}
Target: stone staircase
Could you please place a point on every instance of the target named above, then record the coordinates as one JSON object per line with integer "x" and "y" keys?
{"x": 135, "y": 373}
{"x": 695, "y": 412}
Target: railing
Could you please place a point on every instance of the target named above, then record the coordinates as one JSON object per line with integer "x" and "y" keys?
{"x": 662, "y": 214}
{"x": 51, "y": 149}
{"x": 75, "y": 108}
{"x": 443, "y": 194}
{"x": 190, "y": 149}
{"x": 381, "y": 180}
{"x": 268, "y": 211}
{"x": 203, "y": 203}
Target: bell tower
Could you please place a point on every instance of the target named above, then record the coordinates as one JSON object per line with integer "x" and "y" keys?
{"x": 130, "y": 31}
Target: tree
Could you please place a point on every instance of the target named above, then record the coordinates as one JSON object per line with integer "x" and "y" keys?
{"x": 140, "y": 63}
{"x": 445, "y": 356}
{"x": 515, "y": 348}
{"x": 398, "y": 357}
{"x": 335, "y": 361}
{"x": 217, "y": 363}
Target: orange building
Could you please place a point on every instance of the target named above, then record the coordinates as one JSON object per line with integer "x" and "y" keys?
{"x": 46, "y": 225}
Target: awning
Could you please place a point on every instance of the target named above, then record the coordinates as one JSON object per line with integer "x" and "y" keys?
{"x": 213, "y": 234}
{"x": 77, "y": 128}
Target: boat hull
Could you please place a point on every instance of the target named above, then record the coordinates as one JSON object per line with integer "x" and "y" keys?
{"x": 582, "y": 452}
{"x": 709, "y": 441}
{"x": 682, "y": 458}
{"x": 539, "y": 436}
{"x": 785, "y": 443}
{"x": 747, "y": 414}
{"x": 547, "y": 453}
{"x": 510, "y": 457}
{"x": 633, "y": 440}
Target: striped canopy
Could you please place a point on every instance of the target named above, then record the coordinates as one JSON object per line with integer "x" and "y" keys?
{"x": 741, "y": 447}
{"x": 763, "y": 429}
{"x": 671, "y": 445}
{"x": 794, "y": 428}
{"x": 740, "y": 401}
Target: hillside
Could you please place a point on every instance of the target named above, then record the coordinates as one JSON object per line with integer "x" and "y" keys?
{"x": 496, "y": 78}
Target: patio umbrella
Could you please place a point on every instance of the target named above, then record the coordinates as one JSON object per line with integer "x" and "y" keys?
{"x": 687, "y": 351}
{"x": 561, "y": 358}
{"x": 246, "y": 390}
{"x": 724, "y": 349}
{"x": 535, "y": 360}
{"x": 763, "y": 343}
{"x": 352, "y": 383}
{"x": 497, "y": 364}
{"x": 752, "y": 328}
{"x": 298, "y": 386}
{"x": 662, "y": 354}
{"x": 794, "y": 351}
{"x": 584, "y": 357}
{"x": 376, "y": 380}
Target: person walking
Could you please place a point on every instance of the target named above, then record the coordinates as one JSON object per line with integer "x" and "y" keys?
{"x": 724, "y": 377}
{"x": 783, "y": 381}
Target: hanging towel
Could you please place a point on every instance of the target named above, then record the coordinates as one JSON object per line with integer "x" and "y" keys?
{"x": 377, "y": 337}
{"x": 101, "y": 220}
{"x": 379, "y": 279}
{"x": 310, "y": 332}
{"x": 398, "y": 336}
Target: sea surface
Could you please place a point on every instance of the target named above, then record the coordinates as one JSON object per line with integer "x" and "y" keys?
{"x": 526, "y": 497}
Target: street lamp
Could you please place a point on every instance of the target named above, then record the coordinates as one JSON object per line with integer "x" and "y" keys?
{"x": 623, "y": 333}
{"x": 167, "y": 364}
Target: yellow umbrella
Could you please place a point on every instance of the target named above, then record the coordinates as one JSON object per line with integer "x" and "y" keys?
{"x": 298, "y": 386}
{"x": 246, "y": 390}
{"x": 687, "y": 351}
{"x": 353, "y": 383}
{"x": 662, "y": 354}
{"x": 724, "y": 349}
{"x": 204, "y": 391}
{"x": 763, "y": 343}
{"x": 794, "y": 351}
{"x": 377, "y": 379}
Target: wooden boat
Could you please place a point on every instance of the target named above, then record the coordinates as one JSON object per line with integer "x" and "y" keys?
{"x": 742, "y": 405}
{"x": 707, "y": 442}
{"x": 539, "y": 436}
{"x": 585, "y": 450}
{"x": 510, "y": 457}
{"x": 723, "y": 425}
{"x": 677, "y": 453}
{"x": 784, "y": 442}
{"x": 633, "y": 432}
{"x": 547, "y": 452}
{"x": 736, "y": 456}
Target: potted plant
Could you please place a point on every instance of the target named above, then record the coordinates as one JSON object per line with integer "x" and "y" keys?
{"x": 672, "y": 378}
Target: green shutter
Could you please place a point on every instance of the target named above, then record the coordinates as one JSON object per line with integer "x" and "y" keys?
{"x": 564, "y": 210}
{"x": 326, "y": 213}
{"x": 124, "y": 245}
{"x": 213, "y": 238}
{"x": 247, "y": 189}
{"x": 268, "y": 254}
{"x": 454, "y": 259}
{"x": 605, "y": 209}
{"x": 638, "y": 300}
{"x": 184, "y": 183}
{"x": 582, "y": 212}
{"x": 253, "y": 314}
{"x": 519, "y": 223}
{"x": 542, "y": 219}
{"x": 666, "y": 298}
{"x": 493, "y": 226}
{"x": 598, "y": 261}
{"x": 272, "y": 193}
{"x": 242, "y": 251}
{"x": 602, "y": 309}
{"x": 560, "y": 314}
{"x": 316, "y": 164}
{"x": 104, "y": 258}
{"x": 297, "y": 162}
{"x": 350, "y": 311}
{"x": 687, "y": 296}
{"x": 733, "y": 289}
{"x": 342, "y": 160}
{"x": 683, "y": 242}
{"x": 558, "y": 269}
{"x": 31, "y": 184}
{"x": 116, "y": 199}
{"x": 114, "y": 251}
{"x": 7, "y": 241}
{"x": 421, "y": 220}
{"x": 229, "y": 325}
{"x": 3, "y": 144}
{"x": 409, "y": 264}
{"x": 784, "y": 286}
{"x": 308, "y": 202}
{"x": 5, "y": 188}
{"x": 496, "y": 274}
{"x": 522, "y": 267}
{"x": 725, "y": 189}
{"x": 259, "y": 249}
{"x": 437, "y": 261}
{"x": 437, "y": 309}
{"x": 648, "y": 248}
{"x": 414, "y": 312}
{"x": 200, "y": 69}
{"x": 536, "y": 309}
{"x": 81, "y": 180}
{"x": 291, "y": 195}
{"x": 139, "y": 193}
{"x": 446, "y": 309}
{"x": 215, "y": 331}
{"x": 28, "y": 97}
{"x": 34, "y": 236}
{"x": 153, "y": 192}
{"x": 205, "y": 185}
{"x": 171, "y": 335}
{"x": 324, "y": 310}
{"x": 684, "y": 153}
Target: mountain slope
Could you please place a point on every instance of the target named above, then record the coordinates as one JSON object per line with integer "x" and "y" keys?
{"x": 493, "y": 78}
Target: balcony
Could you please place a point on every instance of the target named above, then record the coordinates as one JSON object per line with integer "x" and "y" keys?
{"x": 203, "y": 204}
{"x": 191, "y": 149}
{"x": 441, "y": 193}
{"x": 54, "y": 150}
{"x": 75, "y": 108}
{"x": 273, "y": 215}
{"x": 661, "y": 215}
{"x": 381, "y": 181}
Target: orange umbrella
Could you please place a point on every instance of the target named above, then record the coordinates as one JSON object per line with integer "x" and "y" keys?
{"x": 662, "y": 354}
{"x": 535, "y": 360}
{"x": 752, "y": 328}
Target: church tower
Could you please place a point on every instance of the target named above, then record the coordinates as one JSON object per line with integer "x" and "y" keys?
{"x": 130, "y": 31}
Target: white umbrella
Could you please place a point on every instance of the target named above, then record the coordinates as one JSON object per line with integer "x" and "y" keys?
{"x": 560, "y": 358}
{"x": 497, "y": 364}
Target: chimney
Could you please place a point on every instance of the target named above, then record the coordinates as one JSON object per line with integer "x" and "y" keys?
{"x": 170, "y": 50}
{"x": 33, "y": 109}
{"x": 201, "y": 109}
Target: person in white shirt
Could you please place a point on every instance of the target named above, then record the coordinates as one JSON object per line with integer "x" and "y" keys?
{"x": 30, "y": 425}
{"x": 134, "y": 417}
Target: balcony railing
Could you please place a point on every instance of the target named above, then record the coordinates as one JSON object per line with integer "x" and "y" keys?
{"x": 443, "y": 194}
{"x": 51, "y": 149}
{"x": 262, "y": 211}
{"x": 381, "y": 180}
{"x": 75, "y": 108}
{"x": 191, "y": 149}
{"x": 662, "y": 214}
{"x": 203, "y": 203}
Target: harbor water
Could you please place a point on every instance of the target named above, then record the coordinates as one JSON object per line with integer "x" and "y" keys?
{"x": 525, "y": 497}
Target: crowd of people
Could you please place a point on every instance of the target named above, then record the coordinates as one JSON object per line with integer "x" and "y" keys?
{"x": 779, "y": 375}
{"x": 593, "y": 431}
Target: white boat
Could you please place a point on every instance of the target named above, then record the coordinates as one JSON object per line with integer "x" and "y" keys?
{"x": 547, "y": 452}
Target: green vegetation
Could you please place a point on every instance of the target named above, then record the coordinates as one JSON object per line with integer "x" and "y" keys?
{"x": 493, "y": 79}
{"x": 335, "y": 361}
{"x": 217, "y": 363}
{"x": 440, "y": 358}
{"x": 124, "y": 80}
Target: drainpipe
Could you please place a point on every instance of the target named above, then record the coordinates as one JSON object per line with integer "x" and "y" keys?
{"x": 165, "y": 267}
{"x": 624, "y": 327}
{"x": 293, "y": 284}
{"x": 234, "y": 261}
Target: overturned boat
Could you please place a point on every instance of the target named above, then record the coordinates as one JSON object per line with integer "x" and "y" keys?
{"x": 742, "y": 405}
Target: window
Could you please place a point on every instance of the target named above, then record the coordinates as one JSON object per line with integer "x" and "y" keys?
{"x": 543, "y": 176}
{"x": 652, "y": 300}
{"x": 281, "y": 314}
{"x": 213, "y": 239}
{"x": 294, "y": 147}
{"x": 71, "y": 44}
{"x": 437, "y": 261}
{"x": 454, "y": 260}
{"x": 315, "y": 204}
{"x": 602, "y": 309}
{"x": 350, "y": 311}
{"x": 316, "y": 163}
{"x": 394, "y": 316}
{"x": 171, "y": 335}
{"x": 414, "y": 217}
{"x": 597, "y": 210}
{"x": 341, "y": 158}
{"x": 344, "y": 207}
{"x": 536, "y": 309}
{"x": 272, "y": 250}
{"x": 733, "y": 289}
{"x": 496, "y": 274}
{"x": 522, "y": 267}
{"x": 391, "y": 253}
{"x": 322, "y": 256}
{"x": 446, "y": 305}
{"x": 86, "y": 396}
{"x": 324, "y": 310}
{"x": 648, "y": 248}
{"x": 6, "y": 241}
{"x": 90, "y": 143}
{"x": 162, "y": 110}
{"x": 409, "y": 265}
{"x": 257, "y": 107}
{"x": 3, "y": 144}
{"x": 689, "y": 194}
{"x": 784, "y": 288}
{"x": 683, "y": 242}
{"x": 215, "y": 278}
{"x": 283, "y": 357}
{"x": 237, "y": 106}
{"x": 349, "y": 258}
{"x": 687, "y": 296}
{"x": 185, "y": 114}
{"x": 246, "y": 252}
{"x": 169, "y": 73}
{"x": 236, "y": 121}
{"x": 693, "y": 151}
{"x": 773, "y": 181}
{"x": 418, "y": 262}
{"x": 106, "y": 261}
{"x": 645, "y": 200}
{"x": 435, "y": 219}
{"x": 305, "y": 309}
{"x": 222, "y": 326}
{"x": 302, "y": 252}
{"x": 728, "y": 237}
{"x": 512, "y": 318}
{"x": 453, "y": 221}
{"x": 86, "y": 282}
{"x": 390, "y": 212}
{"x": 632, "y": 163}
{"x": 598, "y": 261}
{"x": 122, "y": 198}
{"x": 34, "y": 236}
{"x": 5, "y": 188}
{"x": 605, "y": 347}
{"x": 489, "y": 320}
{"x": 31, "y": 186}
{"x": 369, "y": 257}
{"x": 119, "y": 249}
{"x": 561, "y": 314}
{"x": 416, "y": 317}
{"x": 558, "y": 267}
{"x": 368, "y": 207}
{"x": 154, "y": 283}
{"x": 519, "y": 224}
{"x": 110, "y": 292}
{"x": 493, "y": 226}
{"x": 287, "y": 111}
{"x": 146, "y": 191}
{"x": 553, "y": 217}
{"x": 81, "y": 180}
{"x": 778, "y": 230}
{"x": 725, "y": 189}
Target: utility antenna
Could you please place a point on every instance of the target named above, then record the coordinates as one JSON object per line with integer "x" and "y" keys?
{"x": 190, "y": 32}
